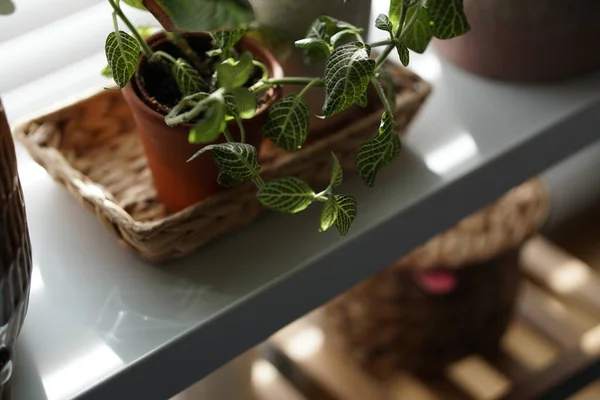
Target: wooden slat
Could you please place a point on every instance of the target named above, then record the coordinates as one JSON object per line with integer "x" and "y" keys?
{"x": 444, "y": 389}
{"x": 554, "y": 319}
{"x": 333, "y": 370}
{"x": 295, "y": 375}
{"x": 269, "y": 384}
{"x": 406, "y": 387}
{"x": 572, "y": 372}
{"x": 478, "y": 378}
{"x": 580, "y": 236}
{"x": 551, "y": 350}
{"x": 592, "y": 392}
{"x": 509, "y": 366}
{"x": 531, "y": 349}
{"x": 563, "y": 274}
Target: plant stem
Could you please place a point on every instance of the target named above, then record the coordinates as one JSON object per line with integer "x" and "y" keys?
{"x": 242, "y": 130}
{"x": 390, "y": 47}
{"x": 166, "y": 56}
{"x": 144, "y": 46}
{"x": 294, "y": 81}
{"x": 117, "y": 35}
{"x": 263, "y": 68}
{"x": 382, "y": 43}
{"x": 187, "y": 116}
{"x": 382, "y": 96}
{"x": 307, "y": 87}
{"x": 228, "y": 136}
{"x": 258, "y": 181}
{"x": 269, "y": 83}
{"x": 183, "y": 44}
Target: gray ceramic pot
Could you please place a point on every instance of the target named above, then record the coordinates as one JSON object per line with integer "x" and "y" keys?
{"x": 291, "y": 18}
{"x": 15, "y": 254}
{"x": 534, "y": 40}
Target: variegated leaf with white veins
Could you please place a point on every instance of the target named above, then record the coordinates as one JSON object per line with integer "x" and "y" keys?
{"x": 287, "y": 124}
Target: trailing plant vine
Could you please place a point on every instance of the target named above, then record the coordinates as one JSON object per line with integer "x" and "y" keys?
{"x": 349, "y": 72}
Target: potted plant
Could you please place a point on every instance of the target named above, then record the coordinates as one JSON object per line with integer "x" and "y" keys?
{"x": 535, "y": 40}
{"x": 197, "y": 96}
{"x": 288, "y": 21}
{"x": 15, "y": 246}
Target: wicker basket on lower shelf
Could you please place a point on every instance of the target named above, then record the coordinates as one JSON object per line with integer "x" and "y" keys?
{"x": 91, "y": 147}
{"x": 391, "y": 321}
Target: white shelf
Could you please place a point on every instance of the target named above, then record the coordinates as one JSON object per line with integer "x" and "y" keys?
{"x": 104, "y": 325}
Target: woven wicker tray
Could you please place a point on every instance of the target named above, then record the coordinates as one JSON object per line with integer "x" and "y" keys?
{"x": 92, "y": 148}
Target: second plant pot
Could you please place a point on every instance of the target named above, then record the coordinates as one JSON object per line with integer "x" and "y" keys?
{"x": 531, "y": 41}
{"x": 290, "y": 19}
{"x": 179, "y": 183}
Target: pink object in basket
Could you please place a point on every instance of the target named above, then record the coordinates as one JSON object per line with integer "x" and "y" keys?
{"x": 436, "y": 280}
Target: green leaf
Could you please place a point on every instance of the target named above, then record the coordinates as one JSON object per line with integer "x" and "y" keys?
{"x": 135, "y": 3}
{"x": 449, "y": 19}
{"x": 145, "y": 31}
{"x": 379, "y": 151}
{"x": 122, "y": 53}
{"x": 384, "y": 23}
{"x": 240, "y": 102}
{"x": 322, "y": 37}
{"x": 6, "y": 7}
{"x": 342, "y": 35}
{"x": 347, "y": 75}
{"x": 347, "y": 209}
{"x": 214, "y": 53}
{"x": 228, "y": 181}
{"x": 328, "y": 215}
{"x": 199, "y": 15}
{"x": 188, "y": 79}
{"x": 394, "y": 14}
{"x": 403, "y": 54}
{"x": 287, "y": 195}
{"x": 337, "y": 174}
{"x": 106, "y": 72}
{"x": 211, "y": 125}
{"x": 315, "y": 49}
{"x": 227, "y": 39}
{"x": 237, "y": 160}
{"x": 418, "y": 37}
{"x": 232, "y": 74}
{"x": 287, "y": 123}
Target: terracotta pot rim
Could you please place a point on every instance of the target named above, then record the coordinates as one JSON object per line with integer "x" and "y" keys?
{"x": 273, "y": 66}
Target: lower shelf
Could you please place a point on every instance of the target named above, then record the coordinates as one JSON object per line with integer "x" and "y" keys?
{"x": 551, "y": 351}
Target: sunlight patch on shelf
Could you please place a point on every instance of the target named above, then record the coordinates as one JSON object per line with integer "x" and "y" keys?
{"x": 306, "y": 343}
{"x": 427, "y": 66}
{"x": 89, "y": 368}
{"x": 452, "y": 154}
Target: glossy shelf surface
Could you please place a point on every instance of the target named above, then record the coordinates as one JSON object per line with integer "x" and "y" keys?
{"x": 103, "y": 324}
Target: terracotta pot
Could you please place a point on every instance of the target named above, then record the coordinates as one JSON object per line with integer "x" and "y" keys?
{"x": 291, "y": 18}
{"x": 179, "y": 183}
{"x": 15, "y": 253}
{"x": 535, "y": 40}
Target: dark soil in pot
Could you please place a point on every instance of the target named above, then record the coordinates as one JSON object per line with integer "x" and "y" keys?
{"x": 155, "y": 81}
{"x": 152, "y": 93}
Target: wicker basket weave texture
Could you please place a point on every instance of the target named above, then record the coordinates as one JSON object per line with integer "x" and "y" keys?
{"x": 15, "y": 251}
{"x": 390, "y": 321}
{"x": 92, "y": 148}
